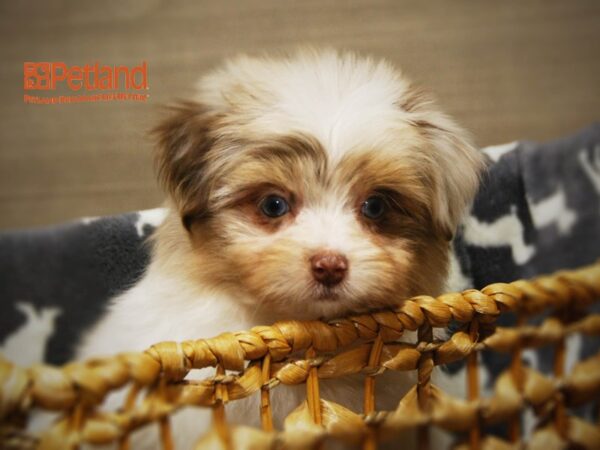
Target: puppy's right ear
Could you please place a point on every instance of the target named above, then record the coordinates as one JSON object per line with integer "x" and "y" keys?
{"x": 185, "y": 138}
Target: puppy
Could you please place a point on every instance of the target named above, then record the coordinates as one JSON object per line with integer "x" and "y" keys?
{"x": 304, "y": 187}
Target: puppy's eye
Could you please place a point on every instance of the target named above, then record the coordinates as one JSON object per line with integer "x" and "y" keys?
{"x": 373, "y": 207}
{"x": 274, "y": 206}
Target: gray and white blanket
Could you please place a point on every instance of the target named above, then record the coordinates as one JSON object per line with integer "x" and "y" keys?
{"x": 538, "y": 211}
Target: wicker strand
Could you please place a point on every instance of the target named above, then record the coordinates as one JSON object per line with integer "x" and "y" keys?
{"x": 128, "y": 406}
{"x": 370, "y": 442}
{"x": 312, "y": 391}
{"x": 473, "y": 385}
{"x": 516, "y": 371}
{"x": 166, "y": 435}
{"x": 266, "y": 413}
{"x": 76, "y": 420}
{"x": 560, "y": 413}
{"x": 424, "y": 370}
{"x": 221, "y": 398}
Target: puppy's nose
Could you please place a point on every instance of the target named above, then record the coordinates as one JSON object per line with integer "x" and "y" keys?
{"x": 329, "y": 268}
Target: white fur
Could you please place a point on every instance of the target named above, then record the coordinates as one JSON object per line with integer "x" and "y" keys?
{"x": 457, "y": 281}
{"x": 342, "y": 101}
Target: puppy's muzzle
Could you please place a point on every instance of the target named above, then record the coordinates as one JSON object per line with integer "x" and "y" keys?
{"x": 329, "y": 268}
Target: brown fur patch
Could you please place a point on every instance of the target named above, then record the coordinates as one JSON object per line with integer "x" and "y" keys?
{"x": 198, "y": 156}
{"x": 414, "y": 99}
{"x": 283, "y": 162}
{"x": 406, "y": 186}
{"x": 248, "y": 202}
{"x": 184, "y": 140}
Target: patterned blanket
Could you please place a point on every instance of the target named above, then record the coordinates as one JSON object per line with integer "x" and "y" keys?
{"x": 538, "y": 211}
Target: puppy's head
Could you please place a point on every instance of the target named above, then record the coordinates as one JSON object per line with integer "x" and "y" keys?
{"x": 317, "y": 184}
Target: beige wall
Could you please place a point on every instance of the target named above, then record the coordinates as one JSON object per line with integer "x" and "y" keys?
{"x": 507, "y": 70}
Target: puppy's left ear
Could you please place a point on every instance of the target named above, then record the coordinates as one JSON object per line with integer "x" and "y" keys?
{"x": 185, "y": 138}
{"x": 457, "y": 164}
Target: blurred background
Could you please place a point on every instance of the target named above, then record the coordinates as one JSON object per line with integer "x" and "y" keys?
{"x": 505, "y": 70}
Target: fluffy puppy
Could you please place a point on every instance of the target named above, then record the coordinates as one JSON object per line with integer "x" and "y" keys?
{"x": 305, "y": 187}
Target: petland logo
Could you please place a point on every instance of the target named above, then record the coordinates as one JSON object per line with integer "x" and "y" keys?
{"x": 100, "y": 82}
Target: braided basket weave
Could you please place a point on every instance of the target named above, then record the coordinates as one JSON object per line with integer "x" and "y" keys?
{"x": 263, "y": 359}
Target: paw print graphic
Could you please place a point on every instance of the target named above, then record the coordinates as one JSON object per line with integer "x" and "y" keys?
{"x": 36, "y": 76}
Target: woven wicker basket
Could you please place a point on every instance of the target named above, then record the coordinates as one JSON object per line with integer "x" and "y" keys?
{"x": 263, "y": 359}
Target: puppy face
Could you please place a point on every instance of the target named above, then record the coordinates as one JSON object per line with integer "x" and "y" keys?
{"x": 316, "y": 185}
